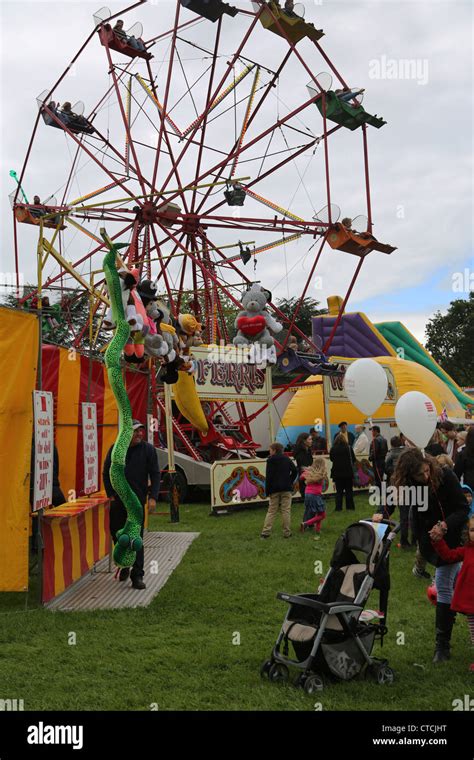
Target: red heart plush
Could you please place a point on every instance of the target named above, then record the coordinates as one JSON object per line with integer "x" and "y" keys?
{"x": 251, "y": 325}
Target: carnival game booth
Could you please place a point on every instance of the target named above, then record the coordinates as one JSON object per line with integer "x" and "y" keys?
{"x": 73, "y": 388}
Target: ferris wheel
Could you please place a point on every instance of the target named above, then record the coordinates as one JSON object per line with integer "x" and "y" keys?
{"x": 186, "y": 157}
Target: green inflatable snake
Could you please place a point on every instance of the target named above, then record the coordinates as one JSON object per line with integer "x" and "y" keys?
{"x": 128, "y": 538}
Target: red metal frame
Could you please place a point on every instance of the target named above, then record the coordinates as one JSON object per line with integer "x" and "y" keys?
{"x": 191, "y": 239}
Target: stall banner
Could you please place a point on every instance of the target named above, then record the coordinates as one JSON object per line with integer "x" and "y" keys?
{"x": 90, "y": 447}
{"x": 44, "y": 449}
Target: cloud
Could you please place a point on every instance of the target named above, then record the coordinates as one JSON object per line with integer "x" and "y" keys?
{"x": 420, "y": 171}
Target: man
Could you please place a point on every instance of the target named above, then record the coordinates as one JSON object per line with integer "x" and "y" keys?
{"x": 38, "y": 209}
{"x": 450, "y": 433}
{"x": 346, "y": 433}
{"x": 378, "y": 452}
{"x": 280, "y": 476}
{"x": 141, "y": 463}
{"x": 130, "y": 40}
{"x": 319, "y": 444}
{"x": 289, "y": 8}
{"x": 361, "y": 444}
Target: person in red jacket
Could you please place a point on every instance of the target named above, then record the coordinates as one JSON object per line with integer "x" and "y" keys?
{"x": 463, "y": 597}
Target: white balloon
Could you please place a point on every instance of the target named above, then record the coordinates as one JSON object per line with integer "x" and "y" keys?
{"x": 416, "y": 417}
{"x": 365, "y": 384}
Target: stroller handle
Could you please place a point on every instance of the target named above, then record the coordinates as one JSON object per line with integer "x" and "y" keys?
{"x": 385, "y": 521}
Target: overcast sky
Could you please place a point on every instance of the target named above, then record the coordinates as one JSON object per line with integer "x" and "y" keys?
{"x": 414, "y": 60}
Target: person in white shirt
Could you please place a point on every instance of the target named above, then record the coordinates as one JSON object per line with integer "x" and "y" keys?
{"x": 361, "y": 446}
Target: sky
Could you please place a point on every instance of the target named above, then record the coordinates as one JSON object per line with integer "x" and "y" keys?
{"x": 414, "y": 60}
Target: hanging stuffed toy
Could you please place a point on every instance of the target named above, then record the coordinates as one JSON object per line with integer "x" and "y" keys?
{"x": 155, "y": 346}
{"x": 255, "y": 324}
{"x": 127, "y": 282}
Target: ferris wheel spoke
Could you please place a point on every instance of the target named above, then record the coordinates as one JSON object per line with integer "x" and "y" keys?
{"x": 168, "y": 143}
{"x": 263, "y": 97}
{"x": 160, "y": 257}
{"x": 166, "y": 95}
{"x": 125, "y": 122}
{"x": 207, "y": 108}
{"x": 282, "y": 163}
{"x": 230, "y": 65}
{"x": 238, "y": 151}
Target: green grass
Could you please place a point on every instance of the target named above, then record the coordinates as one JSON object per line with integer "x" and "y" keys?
{"x": 178, "y": 652}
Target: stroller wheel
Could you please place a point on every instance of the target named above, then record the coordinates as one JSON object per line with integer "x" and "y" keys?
{"x": 278, "y": 673}
{"x": 313, "y": 684}
{"x": 382, "y": 673}
{"x": 385, "y": 675}
{"x": 265, "y": 668}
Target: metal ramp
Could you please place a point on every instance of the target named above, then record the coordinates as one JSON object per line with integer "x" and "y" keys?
{"x": 99, "y": 590}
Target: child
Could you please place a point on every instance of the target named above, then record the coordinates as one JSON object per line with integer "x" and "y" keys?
{"x": 463, "y": 598}
{"x": 445, "y": 461}
{"x": 279, "y": 481}
{"x": 314, "y": 511}
{"x": 468, "y": 494}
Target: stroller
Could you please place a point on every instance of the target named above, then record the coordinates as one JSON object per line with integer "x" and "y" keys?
{"x": 330, "y": 632}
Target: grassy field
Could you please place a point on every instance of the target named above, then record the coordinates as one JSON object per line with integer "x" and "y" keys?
{"x": 178, "y": 654}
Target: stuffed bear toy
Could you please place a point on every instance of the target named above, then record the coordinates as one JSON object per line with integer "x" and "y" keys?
{"x": 155, "y": 345}
{"x": 254, "y": 323}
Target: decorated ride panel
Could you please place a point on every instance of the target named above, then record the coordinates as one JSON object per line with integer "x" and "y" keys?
{"x": 241, "y": 482}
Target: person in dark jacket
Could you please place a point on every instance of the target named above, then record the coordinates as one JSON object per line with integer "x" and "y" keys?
{"x": 342, "y": 472}
{"x": 378, "y": 452}
{"x": 303, "y": 457}
{"x": 439, "y": 510}
{"x": 319, "y": 444}
{"x": 141, "y": 464}
{"x": 435, "y": 446}
{"x": 280, "y": 478}
{"x": 348, "y": 435}
{"x": 393, "y": 456}
{"x": 464, "y": 464}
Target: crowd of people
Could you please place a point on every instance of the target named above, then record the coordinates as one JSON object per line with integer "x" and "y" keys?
{"x": 441, "y": 525}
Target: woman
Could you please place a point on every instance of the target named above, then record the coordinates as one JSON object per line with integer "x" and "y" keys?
{"x": 464, "y": 463}
{"x": 439, "y": 510}
{"x": 303, "y": 457}
{"x": 342, "y": 472}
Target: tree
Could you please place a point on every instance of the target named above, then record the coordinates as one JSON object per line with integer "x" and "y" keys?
{"x": 450, "y": 339}
{"x": 308, "y": 309}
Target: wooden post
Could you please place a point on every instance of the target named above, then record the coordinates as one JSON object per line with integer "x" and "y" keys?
{"x": 173, "y": 494}
{"x": 327, "y": 419}
{"x": 268, "y": 381}
{"x": 39, "y": 386}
